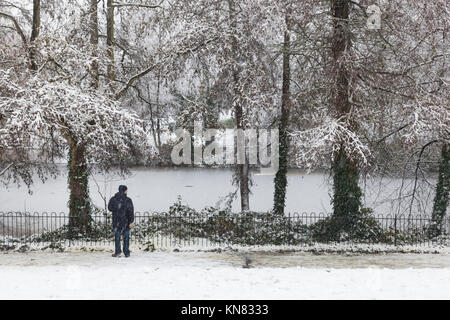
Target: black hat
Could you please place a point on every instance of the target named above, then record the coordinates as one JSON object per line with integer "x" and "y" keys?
{"x": 122, "y": 188}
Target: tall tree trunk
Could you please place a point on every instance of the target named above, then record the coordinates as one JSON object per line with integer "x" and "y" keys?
{"x": 280, "y": 182}
{"x": 93, "y": 32}
{"x": 244, "y": 186}
{"x": 111, "y": 72}
{"x": 347, "y": 194}
{"x": 79, "y": 201}
{"x": 78, "y": 180}
{"x": 158, "y": 114}
{"x": 36, "y": 24}
{"x": 152, "y": 123}
{"x": 442, "y": 193}
{"x": 242, "y": 169}
{"x": 340, "y": 44}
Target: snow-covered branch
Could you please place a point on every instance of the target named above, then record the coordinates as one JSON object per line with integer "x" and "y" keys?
{"x": 42, "y": 113}
{"x": 320, "y": 144}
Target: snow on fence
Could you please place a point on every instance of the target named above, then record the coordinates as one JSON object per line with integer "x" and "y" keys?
{"x": 220, "y": 228}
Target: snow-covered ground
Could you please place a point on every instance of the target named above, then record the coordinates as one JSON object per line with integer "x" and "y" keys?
{"x": 211, "y": 275}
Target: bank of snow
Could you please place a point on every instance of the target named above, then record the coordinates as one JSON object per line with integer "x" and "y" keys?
{"x": 164, "y": 275}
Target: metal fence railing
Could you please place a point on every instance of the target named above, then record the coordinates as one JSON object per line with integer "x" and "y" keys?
{"x": 222, "y": 228}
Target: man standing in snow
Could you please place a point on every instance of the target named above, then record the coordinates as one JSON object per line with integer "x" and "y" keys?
{"x": 123, "y": 216}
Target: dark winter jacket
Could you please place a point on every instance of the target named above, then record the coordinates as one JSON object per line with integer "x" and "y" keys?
{"x": 122, "y": 211}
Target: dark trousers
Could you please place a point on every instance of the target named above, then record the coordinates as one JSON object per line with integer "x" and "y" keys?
{"x": 126, "y": 241}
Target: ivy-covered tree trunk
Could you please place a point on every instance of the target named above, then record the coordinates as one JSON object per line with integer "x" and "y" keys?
{"x": 346, "y": 192}
{"x": 442, "y": 193}
{"x": 79, "y": 201}
{"x": 280, "y": 182}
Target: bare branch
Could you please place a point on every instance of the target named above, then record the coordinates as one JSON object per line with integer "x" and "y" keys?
{"x": 159, "y": 63}
{"x": 17, "y": 27}
{"x": 119, "y": 5}
{"x": 6, "y": 169}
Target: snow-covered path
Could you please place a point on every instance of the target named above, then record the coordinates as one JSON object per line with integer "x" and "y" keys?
{"x": 163, "y": 275}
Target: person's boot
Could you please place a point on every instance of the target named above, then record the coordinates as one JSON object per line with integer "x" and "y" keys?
{"x": 116, "y": 255}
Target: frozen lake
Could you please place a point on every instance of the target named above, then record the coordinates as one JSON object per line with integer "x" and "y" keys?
{"x": 155, "y": 189}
